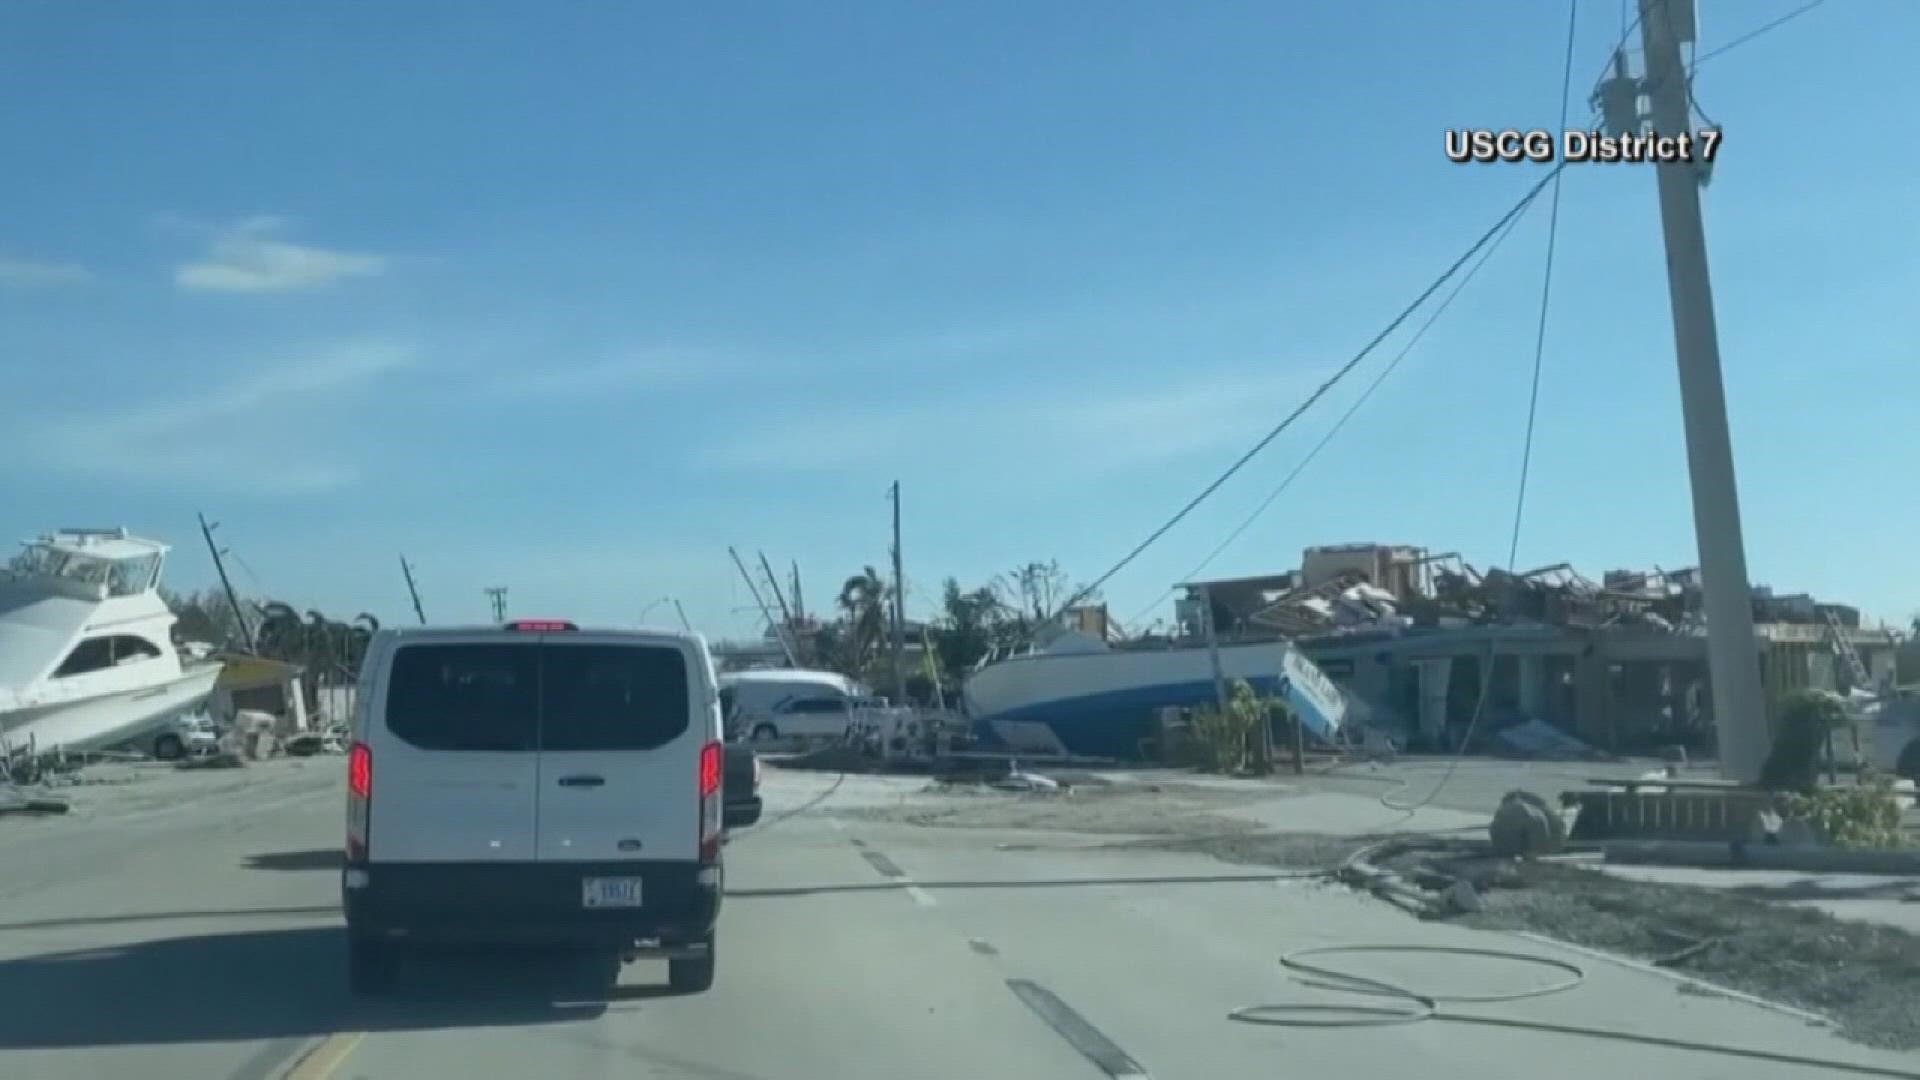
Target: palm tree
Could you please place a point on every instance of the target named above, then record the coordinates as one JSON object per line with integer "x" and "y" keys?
{"x": 973, "y": 623}
{"x": 321, "y": 656}
{"x": 863, "y": 600}
{"x": 356, "y": 638}
{"x": 281, "y": 635}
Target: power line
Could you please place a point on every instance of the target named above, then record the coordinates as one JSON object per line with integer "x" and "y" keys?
{"x": 1546, "y": 296}
{"x": 1693, "y": 64}
{"x": 251, "y": 576}
{"x": 1378, "y": 379}
{"x": 1751, "y": 34}
{"x": 1526, "y": 453}
{"x": 1485, "y": 238}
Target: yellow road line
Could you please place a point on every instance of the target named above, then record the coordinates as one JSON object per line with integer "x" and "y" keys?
{"x": 326, "y": 1055}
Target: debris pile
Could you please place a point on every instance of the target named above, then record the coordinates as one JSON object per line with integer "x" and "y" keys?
{"x": 1375, "y": 587}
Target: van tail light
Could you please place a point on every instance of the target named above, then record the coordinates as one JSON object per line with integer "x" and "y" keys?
{"x": 712, "y": 761}
{"x": 359, "y": 800}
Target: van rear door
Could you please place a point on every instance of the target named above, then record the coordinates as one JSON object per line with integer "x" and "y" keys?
{"x": 456, "y": 766}
{"x": 622, "y": 722}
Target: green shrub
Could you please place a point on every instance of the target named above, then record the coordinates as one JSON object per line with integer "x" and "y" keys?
{"x": 1865, "y": 816}
{"x": 1220, "y": 739}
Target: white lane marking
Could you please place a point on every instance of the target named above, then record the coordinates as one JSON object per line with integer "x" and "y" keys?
{"x": 836, "y": 823}
{"x": 920, "y": 896}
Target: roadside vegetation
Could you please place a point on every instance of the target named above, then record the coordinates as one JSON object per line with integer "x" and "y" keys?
{"x": 1002, "y": 613}
{"x": 1862, "y": 815}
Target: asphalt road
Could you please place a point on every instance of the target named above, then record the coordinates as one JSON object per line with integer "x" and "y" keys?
{"x": 186, "y": 929}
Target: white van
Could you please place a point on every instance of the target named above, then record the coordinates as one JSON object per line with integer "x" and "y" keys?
{"x": 534, "y": 783}
{"x": 788, "y": 703}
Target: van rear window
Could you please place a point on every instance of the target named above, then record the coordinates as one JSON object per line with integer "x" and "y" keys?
{"x": 612, "y": 697}
{"x": 520, "y": 697}
{"x": 465, "y": 697}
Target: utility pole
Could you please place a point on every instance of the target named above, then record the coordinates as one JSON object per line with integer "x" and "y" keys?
{"x": 899, "y": 610}
{"x": 497, "y": 596}
{"x": 220, "y": 567}
{"x": 682, "y": 612}
{"x": 779, "y": 633}
{"x": 1205, "y": 596}
{"x": 1739, "y": 709}
{"x": 799, "y": 606}
{"x": 413, "y": 590}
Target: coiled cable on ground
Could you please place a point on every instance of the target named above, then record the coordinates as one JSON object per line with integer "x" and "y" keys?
{"x": 1413, "y": 1007}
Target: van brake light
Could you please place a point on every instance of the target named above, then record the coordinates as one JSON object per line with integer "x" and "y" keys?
{"x": 712, "y": 812}
{"x": 359, "y": 800}
{"x": 360, "y": 771}
{"x": 711, "y": 760}
{"x": 540, "y": 626}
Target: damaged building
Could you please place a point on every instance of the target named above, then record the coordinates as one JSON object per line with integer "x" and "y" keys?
{"x": 1619, "y": 664}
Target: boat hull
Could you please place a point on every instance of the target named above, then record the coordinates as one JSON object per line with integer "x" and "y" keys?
{"x": 93, "y": 723}
{"x": 1104, "y": 703}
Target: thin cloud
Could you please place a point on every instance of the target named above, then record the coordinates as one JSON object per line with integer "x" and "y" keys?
{"x": 647, "y": 369}
{"x": 1060, "y": 430}
{"x": 226, "y": 436}
{"x": 248, "y": 257}
{"x": 31, "y": 273}
{"x": 811, "y": 445}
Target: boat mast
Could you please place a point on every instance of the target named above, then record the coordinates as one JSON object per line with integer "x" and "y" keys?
{"x": 226, "y": 583}
{"x": 412, "y": 590}
{"x": 899, "y": 609}
{"x": 779, "y": 631}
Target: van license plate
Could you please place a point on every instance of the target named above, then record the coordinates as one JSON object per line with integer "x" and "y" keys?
{"x": 599, "y": 892}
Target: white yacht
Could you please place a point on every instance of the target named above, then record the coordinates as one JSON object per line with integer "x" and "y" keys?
{"x": 87, "y": 657}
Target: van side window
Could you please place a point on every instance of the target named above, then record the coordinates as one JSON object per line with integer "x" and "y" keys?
{"x": 465, "y": 697}
{"x": 813, "y": 706}
{"x": 612, "y": 697}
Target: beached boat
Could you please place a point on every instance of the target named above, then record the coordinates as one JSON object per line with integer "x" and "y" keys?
{"x": 87, "y": 657}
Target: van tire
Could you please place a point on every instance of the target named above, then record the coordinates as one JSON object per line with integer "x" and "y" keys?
{"x": 372, "y": 966}
{"x": 693, "y": 975}
{"x": 168, "y": 747}
{"x": 765, "y": 733}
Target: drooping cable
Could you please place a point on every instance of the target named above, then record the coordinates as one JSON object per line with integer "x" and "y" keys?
{"x": 1756, "y": 32}
{"x": 1240, "y": 462}
{"x": 1526, "y": 452}
{"x": 1546, "y": 300}
{"x": 1272, "y": 496}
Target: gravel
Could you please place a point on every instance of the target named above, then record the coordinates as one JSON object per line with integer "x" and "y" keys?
{"x": 1865, "y": 976}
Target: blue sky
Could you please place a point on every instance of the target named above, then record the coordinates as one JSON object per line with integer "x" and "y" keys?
{"x": 570, "y": 297}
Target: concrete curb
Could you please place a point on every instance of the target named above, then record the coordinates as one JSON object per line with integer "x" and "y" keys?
{"x": 1813, "y": 860}
{"x": 1702, "y": 985}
